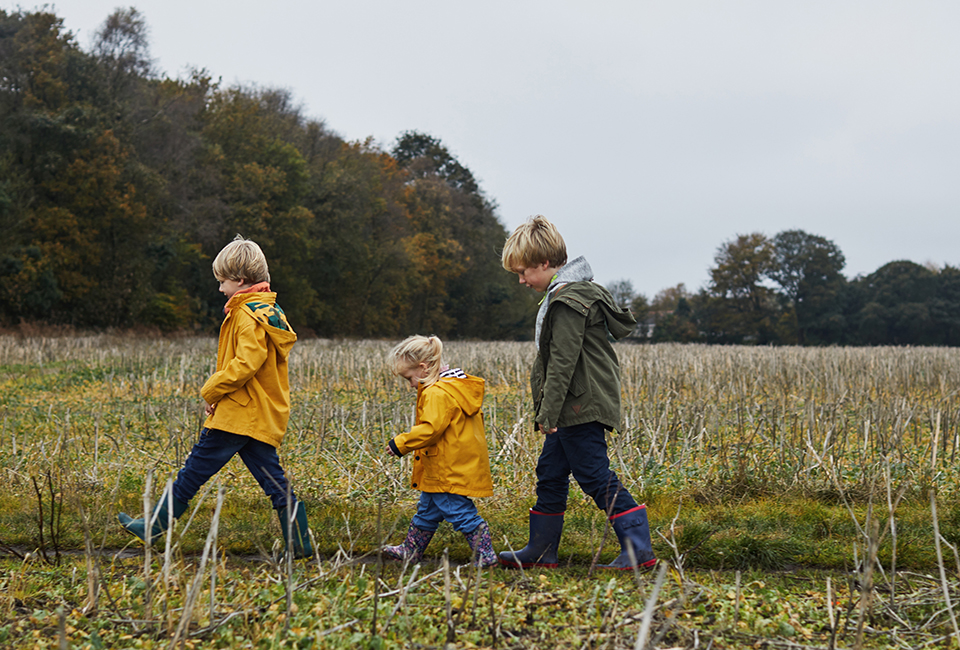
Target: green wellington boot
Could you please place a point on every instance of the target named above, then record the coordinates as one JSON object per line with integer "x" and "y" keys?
{"x": 301, "y": 535}
{"x": 159, "y": 518}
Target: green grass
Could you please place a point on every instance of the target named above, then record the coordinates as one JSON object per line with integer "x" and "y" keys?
{"x": 333, "y": 607}
{"x": 767, "y": 462}
{"x": 762, "y": 533}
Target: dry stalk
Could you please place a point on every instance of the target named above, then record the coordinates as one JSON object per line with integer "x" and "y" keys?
{"x": 651, "y": 605}
{"x": 833, "y": 624}
{"x": 147, "y": 547}
{"x": 376, "y": 581}
{"x": 476, "y": 592}
{"x": 493, "y": 615}
{"x": 451, "y": 631}
{"x": 390, "y": 594}
{"x": 62, "y": 628}
{"x": 671, "y": 619}
{"x": 180, "y": 635}
{"x": 288, "y": 553}
{"x": 672, "y": 543}
{"x": 466, "y": 594}
{"x": 213, "y": 578}
{"x": 943, "y": 571}
{"x": 401, "y": 601}
{"x": 519, "y": 565}
{"x": 892, "y": 524}
{"x": 168, "y": 548}
{"x": 736, "y": 605}
{"x": 93, "y": 568}
{"x": 866, "y": 580}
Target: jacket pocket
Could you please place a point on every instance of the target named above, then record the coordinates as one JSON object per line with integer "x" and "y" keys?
{"x": 240, "y": 396}
{"x": 576, "y": 398}
{"x": 577, "y": 386}
{"x": 431, "y": 463}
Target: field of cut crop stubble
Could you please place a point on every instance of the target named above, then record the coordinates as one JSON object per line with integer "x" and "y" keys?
{"x": 780, "y": 483}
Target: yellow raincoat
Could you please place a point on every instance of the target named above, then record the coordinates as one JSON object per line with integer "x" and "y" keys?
{"x": 448, "y": 439}
{"x": 250, "y": 386}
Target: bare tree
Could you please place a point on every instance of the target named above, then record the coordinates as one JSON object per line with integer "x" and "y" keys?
{"x": 622, "y": 292}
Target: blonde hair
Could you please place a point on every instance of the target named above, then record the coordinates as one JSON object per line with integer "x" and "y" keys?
{"x": 417, "y": 349}
{"x": 533, "y": 242}
{"x": 241, "y": 259}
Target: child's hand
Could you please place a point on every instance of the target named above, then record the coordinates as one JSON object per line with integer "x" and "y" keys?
{"x": 390, "y": 451}
{"x": 209, "y": 408}
{"x": 545, "y": 432}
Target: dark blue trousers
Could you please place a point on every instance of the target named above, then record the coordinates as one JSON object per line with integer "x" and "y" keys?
{"x": 580, "y": 450}
{"x": 212, "y": 452}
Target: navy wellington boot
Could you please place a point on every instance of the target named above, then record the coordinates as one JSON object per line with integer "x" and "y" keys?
{"x": 632, "y": 527}
{"x": 541, "y": 550}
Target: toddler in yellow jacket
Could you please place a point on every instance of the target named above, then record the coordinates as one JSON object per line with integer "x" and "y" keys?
{"x": 450, "y": 462}
{"x": 247, "y": 399}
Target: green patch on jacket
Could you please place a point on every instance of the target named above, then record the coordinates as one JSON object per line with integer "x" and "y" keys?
{"x": 270, "y": 314}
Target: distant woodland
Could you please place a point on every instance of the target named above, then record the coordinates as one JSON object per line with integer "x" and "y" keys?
{"x": 118, "y": 186}
{"x": 789, "y": 290}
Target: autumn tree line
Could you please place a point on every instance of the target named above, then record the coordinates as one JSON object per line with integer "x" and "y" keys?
{"x": 118, "y": 186}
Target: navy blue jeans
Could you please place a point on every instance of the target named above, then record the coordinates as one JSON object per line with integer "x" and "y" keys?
{"x": 582, "y": 451}
{"x": 212, "y": 452}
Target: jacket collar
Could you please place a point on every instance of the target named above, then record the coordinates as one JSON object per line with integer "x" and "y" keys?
{"x": 260, "y": 287}
{"x": 576, "y": 270}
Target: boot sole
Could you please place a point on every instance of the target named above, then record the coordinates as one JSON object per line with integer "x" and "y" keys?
{"x": 125, "y": 520}
{"x": 528, "y": 565}
{"x": 643, "y": 567}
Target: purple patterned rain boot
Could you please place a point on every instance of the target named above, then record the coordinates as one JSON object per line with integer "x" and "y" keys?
{"x": 411, "y": 549}
{"x": 482, "y": 547}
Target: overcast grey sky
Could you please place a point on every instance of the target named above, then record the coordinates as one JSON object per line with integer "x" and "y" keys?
{"x": 649, "y": 132}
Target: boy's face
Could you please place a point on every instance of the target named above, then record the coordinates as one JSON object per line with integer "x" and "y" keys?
{"x": 230, "y": 287}
{"x": 414, "y": 374}
{"x": 536, "y": 277}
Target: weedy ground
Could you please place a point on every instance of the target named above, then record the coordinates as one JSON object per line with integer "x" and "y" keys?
{"x": 798, "y": 497}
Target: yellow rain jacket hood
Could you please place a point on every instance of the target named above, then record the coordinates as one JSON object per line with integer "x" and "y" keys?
{"x": 448, "y": 439}
{"x": 250, "y": 386}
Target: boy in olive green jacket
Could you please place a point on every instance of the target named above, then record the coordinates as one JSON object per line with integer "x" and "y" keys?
{"x": 247, "y": 399}
{"x": 575, "y": 384}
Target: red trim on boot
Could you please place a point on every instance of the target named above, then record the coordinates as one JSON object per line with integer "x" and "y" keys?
{"x": 642, "y": 506}
{"x": 547, "y": 514}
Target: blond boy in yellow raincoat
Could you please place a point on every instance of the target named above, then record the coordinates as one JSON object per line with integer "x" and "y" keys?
{"x": 247, "y": 399}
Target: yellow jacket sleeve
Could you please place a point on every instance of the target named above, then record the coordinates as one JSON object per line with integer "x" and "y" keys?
{"x": 251, "y": 352}
{"x": 436, "y": 413}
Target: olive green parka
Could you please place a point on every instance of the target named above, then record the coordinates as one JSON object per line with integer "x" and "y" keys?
{"x": 576, "y": 375}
